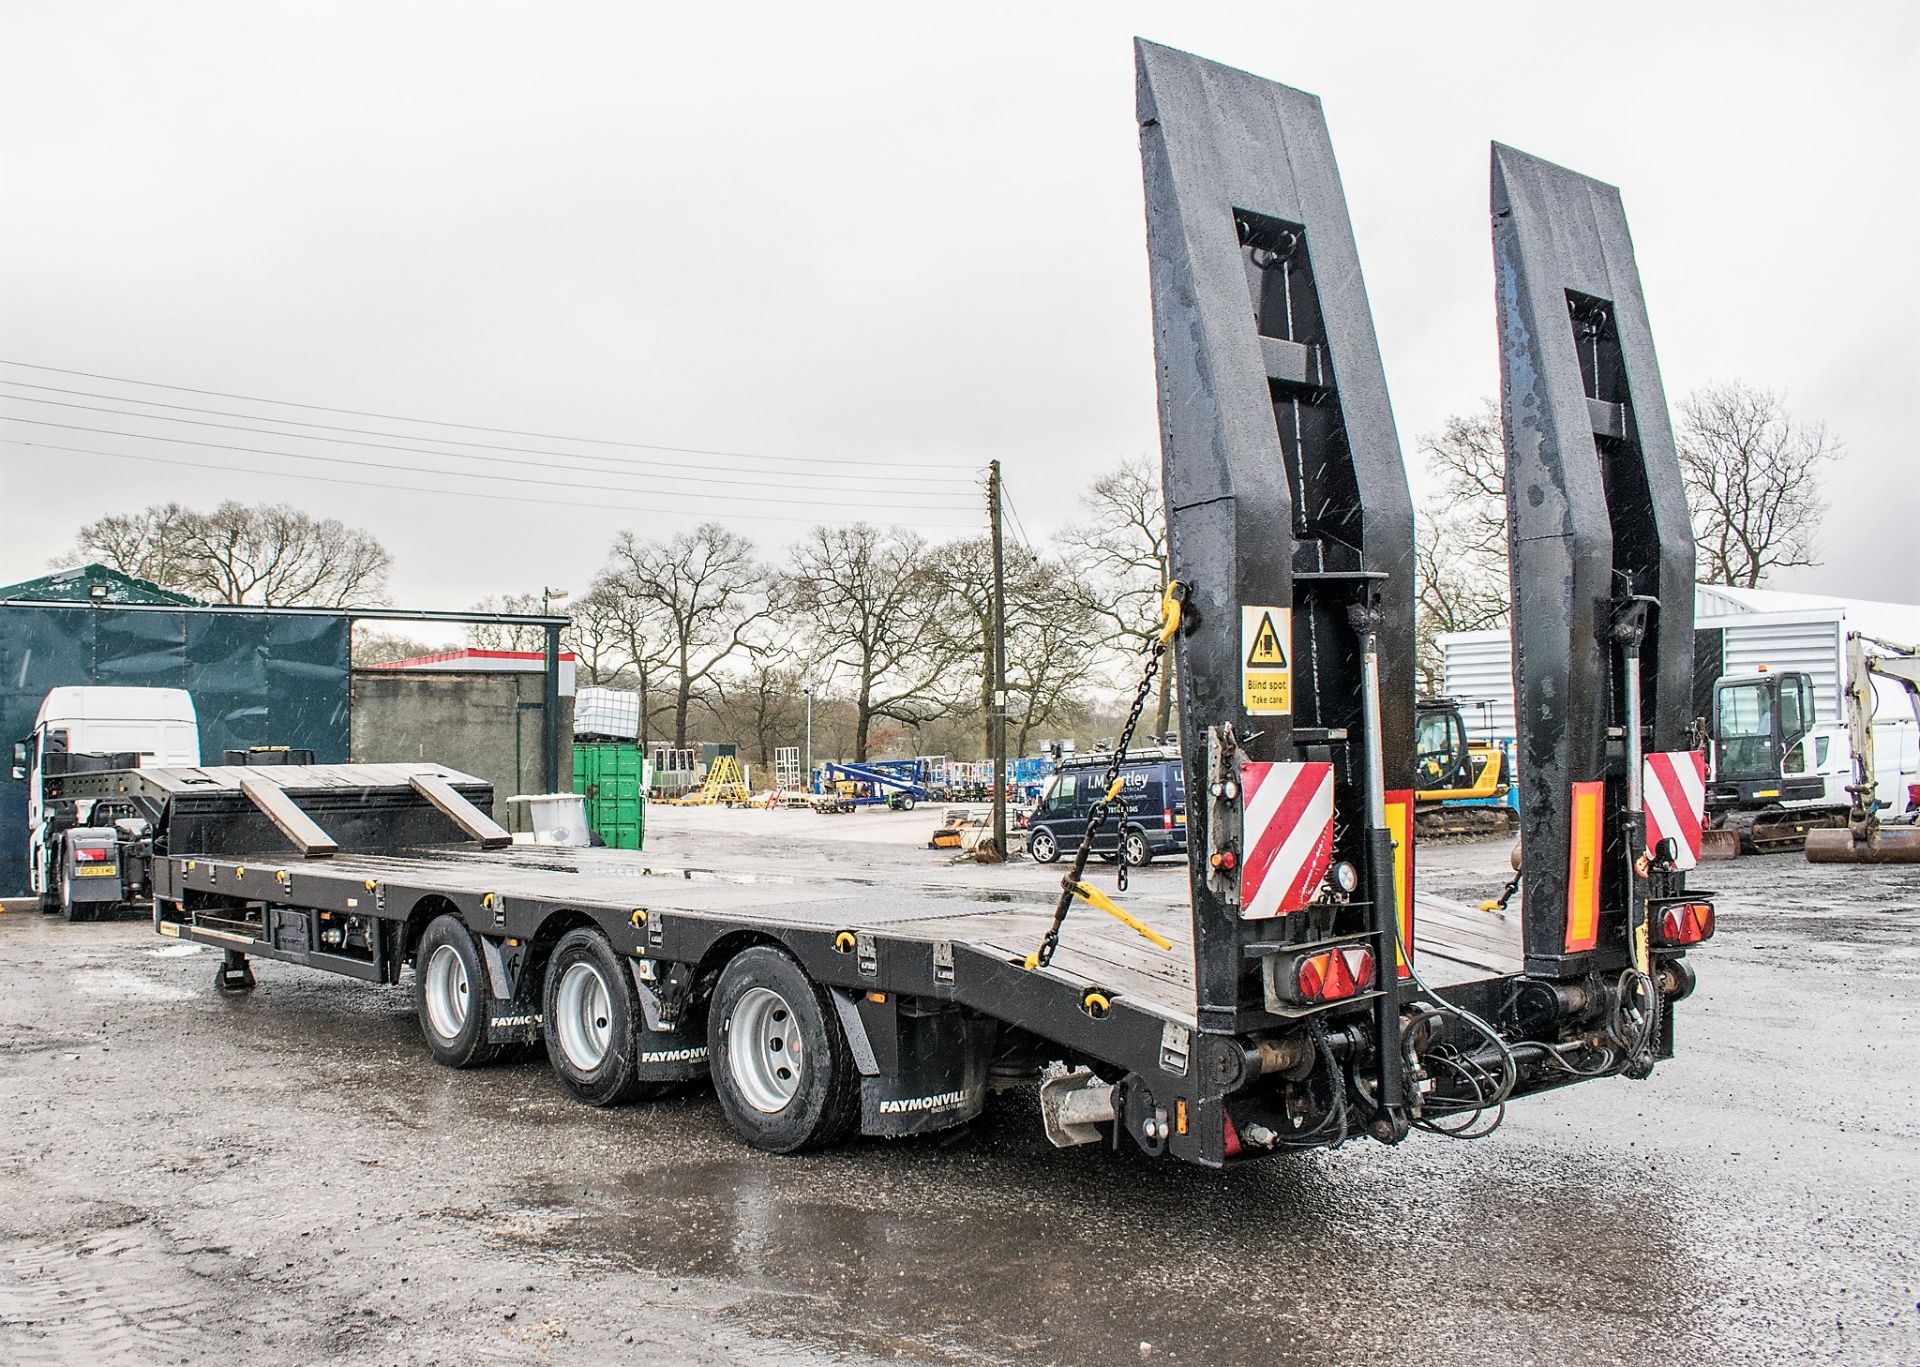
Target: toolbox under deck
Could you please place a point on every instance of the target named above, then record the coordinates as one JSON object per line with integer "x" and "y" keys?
{"x": 1454, "y": 943}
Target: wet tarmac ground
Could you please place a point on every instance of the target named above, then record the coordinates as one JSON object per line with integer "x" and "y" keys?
{"x": 287, "y": 1178}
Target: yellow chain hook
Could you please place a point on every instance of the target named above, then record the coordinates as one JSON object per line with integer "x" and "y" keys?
{"x": 1170, "y": 610}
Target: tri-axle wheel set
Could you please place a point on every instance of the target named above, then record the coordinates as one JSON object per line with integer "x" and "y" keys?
{"x": 781, "y": 1064}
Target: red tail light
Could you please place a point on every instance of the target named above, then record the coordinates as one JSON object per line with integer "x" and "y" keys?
{"x": 1333, "y": 975}
{"x": 1686, "y": 923}
{"x": 84, "y": 854}
{"x": 1166, "y": 818}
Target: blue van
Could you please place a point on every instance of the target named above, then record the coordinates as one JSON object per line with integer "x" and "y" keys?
{"x": 1149, "y": 817}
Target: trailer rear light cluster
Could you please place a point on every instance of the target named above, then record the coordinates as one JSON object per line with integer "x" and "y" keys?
{"x": 1333, "y": 975}
{"x": 1686, "y": 923}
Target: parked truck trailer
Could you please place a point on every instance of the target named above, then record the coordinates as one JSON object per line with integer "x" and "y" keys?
{"x": 1293, "y": 994}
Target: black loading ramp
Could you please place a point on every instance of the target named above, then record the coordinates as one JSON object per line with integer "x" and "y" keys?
{"x": 1602, "y": 560}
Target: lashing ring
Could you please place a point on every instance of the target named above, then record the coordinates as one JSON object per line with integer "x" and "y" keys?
{"x": 1097, "y": 1004}
{"x": 845, "y": 942}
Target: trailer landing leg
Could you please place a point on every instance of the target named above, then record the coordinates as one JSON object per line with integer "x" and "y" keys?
{"x": 233, "y": 974}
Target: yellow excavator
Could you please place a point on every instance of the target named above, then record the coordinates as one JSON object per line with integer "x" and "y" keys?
{"x": 1868, "y": 838}
{"x": 1460, "y": 783}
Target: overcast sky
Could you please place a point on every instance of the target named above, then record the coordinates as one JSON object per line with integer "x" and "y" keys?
{"x": 846, "y": 256}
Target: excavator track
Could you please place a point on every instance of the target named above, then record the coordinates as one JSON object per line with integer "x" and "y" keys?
{"x": 1461, "y": 823}
{"x": 1782, "y": 831}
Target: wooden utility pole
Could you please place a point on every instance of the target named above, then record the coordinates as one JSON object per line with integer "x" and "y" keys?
{"x": 997, "y": 666}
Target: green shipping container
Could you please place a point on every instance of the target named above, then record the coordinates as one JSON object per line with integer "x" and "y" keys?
{"x": 612, "y": 777}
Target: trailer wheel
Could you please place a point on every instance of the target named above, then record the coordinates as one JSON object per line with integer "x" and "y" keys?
{"x": 450, "y": 994}
{"x": 1135, "y": 849}
{"x": 780, "y": 1061}
{"x": 592, "y": 1021}
{"x": 69, "y": 910}
{"x": 1043, "y": 847}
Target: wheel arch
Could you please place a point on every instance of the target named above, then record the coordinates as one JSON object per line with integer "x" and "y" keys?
{"x": 730, "y": 946}
{"x": 422, "y": 914}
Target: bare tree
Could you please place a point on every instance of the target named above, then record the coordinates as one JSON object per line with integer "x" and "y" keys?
{"x": 1051, "y": 633}
{"x": 1049, "y": 657}
{"x": 1753, "y": 477}
{"x": 704, "y": 591}
{"x": 269, "y": 554}
{"x": 639, "y": 634}
{"x": 383, "y": 647}
{"x": 1468, "y": 456}
{"x": 870, "y": 597}
{"x": 507, "y": 635}
{"x": 1460, "y": 542}
{"x": 1457, "y": 586}
{"x": 1121, "y": 550}
{"x": 145, "y": 544}
{"x": 596, "y": 635}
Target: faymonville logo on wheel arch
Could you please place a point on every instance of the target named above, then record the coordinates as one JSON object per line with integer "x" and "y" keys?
{"x": 940, "y": 1101}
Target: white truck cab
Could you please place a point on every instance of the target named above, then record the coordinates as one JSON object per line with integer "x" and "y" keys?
{"x": 158, "y": 726}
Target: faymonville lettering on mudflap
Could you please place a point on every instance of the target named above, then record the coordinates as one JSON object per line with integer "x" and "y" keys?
{"x": 504, "y": 1021}
{"x": 676, "y": 1055}
{"x": 943, "y": 1101}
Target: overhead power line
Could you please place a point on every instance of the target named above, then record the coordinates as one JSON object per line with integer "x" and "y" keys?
{"x": 748, "y": 480}
{"x": 469, "y": 426}
{"x": 406, "y": 436}
{"x": 597, "y": 504}
{"x": 720, "y": 508}
{"x": 1018, "y": 525}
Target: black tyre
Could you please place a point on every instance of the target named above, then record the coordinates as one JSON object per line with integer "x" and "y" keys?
{"x": 70, "y": 911}
{"x": 1135, "y": 849}
{"x": 450, "y": 994}
{"x": 906, "y": 802}
{"x": 1043, "y": 847}
{"x": 593, "y": 1021}
{"x": 780, "y": 1061}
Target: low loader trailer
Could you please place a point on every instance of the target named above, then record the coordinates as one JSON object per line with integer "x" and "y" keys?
{"x": 1293, "y": 993}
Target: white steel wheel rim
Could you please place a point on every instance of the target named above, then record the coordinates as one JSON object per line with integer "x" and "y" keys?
{"x": 583, "y": 1011}
{"x": 448, "y": 993}
{"x": 765, "y": 1053}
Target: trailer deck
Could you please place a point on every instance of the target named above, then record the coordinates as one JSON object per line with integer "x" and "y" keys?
{"x": 1454, "y": 943}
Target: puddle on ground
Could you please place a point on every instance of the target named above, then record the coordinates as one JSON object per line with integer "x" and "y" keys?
{"x": 117, "y": 984}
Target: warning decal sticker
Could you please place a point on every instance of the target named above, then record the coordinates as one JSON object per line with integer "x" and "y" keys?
{"x": 1266, "y": 680}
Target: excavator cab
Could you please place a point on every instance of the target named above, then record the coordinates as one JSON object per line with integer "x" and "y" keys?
{"x": 1441, "y": 762}
{"x": 1757, "y": 719}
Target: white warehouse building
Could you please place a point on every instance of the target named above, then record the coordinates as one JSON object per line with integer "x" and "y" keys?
{"x": 1736, "y": 630}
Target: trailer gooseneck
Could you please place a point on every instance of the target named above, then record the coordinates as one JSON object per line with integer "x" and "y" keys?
{"x": 1306, "y": 998}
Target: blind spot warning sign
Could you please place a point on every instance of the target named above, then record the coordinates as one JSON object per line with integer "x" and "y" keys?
{"x": 1266, "y": 680}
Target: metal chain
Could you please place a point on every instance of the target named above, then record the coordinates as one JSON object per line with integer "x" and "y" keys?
{"x": 1098, "y": 815}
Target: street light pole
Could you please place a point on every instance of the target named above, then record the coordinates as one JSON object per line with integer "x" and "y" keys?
{"x": 807, "y": 781}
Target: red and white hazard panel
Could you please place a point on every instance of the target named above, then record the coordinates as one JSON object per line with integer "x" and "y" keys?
{"x": 1674, "y": 790}
{"x": 1286, "y": 833}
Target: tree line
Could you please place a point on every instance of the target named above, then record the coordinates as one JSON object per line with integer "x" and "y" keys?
{"x": 881, "y": 627}
{"x": 887, "y": 634}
